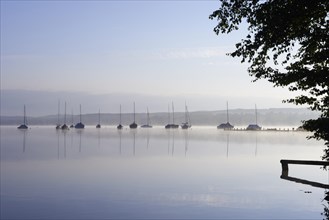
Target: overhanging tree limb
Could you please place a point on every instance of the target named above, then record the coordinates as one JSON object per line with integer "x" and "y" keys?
{"x": 287, "y": 44}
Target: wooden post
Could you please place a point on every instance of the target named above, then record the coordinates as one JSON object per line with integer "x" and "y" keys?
{"x": 285, "y": 163}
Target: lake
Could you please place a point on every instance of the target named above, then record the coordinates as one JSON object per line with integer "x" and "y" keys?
{"x": 201, "y": 173}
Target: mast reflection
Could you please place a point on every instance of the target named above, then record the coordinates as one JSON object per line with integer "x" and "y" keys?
{"x": 147, "y": 139}
{"x": 256, "y": 149}
{"x": 227, "y": 144}
{"x": 98, "y": 138}
{"x": 80, "y": 134}
{"x": 173, "y": 143}
{"x": 134, "y": 140}
{"x": 24, "y": 139}
{"x": 57, "y": 131}
{"x": 120, "y": 137}
{"x": 168, "y": 138}
{"x": 186, "y": 137}
{"x": 64, "y": 132}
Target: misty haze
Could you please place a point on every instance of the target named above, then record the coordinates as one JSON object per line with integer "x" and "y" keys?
{"x": 164, "y": 109}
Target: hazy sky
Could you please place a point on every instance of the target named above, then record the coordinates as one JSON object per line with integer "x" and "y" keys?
{"x": 122, "y": 51}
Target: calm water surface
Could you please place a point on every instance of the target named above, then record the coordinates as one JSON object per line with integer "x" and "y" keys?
{"x": 155, "y": 173}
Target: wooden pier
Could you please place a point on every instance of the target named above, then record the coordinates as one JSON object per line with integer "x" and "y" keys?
{"x": 285, "y": 172}
{"x": 285, "y": 163}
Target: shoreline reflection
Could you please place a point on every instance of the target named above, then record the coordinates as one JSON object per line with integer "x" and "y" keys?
{"x": 156, "y": 169}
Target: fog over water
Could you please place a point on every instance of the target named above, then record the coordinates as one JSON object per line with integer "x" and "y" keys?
{"x": 156, "y": 173}
{"x": 103, "y": 54}
{"x": 41, "y": 103}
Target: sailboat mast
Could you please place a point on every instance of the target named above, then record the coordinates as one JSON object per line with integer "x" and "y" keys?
{"x": 72, "y": 117}
{"x": 120, "y": 114}
{"x": 256, "y": 112}
{"x": 186, "y": 113}
{"x": 173, "y": 113}
{"x": 59, "y": 104}
{"x": 188, "y": 117}
{"x": 168, "y": 114}
{"x": 227, "y": 112}
{"x": 99, "y": 116}
{"x": 65, "y": 114}
{"x": 148, "y": 116}
{"x": 24, "y": 120}
{"x": 80, "y": 113}
{"x": 134, "y": 113}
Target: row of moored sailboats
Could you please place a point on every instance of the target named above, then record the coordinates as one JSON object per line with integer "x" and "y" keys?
{"x": 170, "y": 125}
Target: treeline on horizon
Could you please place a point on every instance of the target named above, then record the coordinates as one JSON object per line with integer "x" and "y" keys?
{"x": 237, "y": 117}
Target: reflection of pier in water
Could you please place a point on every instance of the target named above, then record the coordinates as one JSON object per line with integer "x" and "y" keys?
{"x": 285, "y": 176}
{"x": 285, "y": 172}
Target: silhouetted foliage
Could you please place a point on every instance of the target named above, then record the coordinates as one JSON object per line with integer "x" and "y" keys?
{"x": 287, "y": 44}
{"x": 325, "y": 212}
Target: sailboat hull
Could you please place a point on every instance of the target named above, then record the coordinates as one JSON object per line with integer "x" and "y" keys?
{"x": 171, "y": 126}
{"x": 133, "y": 126}
{"x": 22, "y": 127}
{"x": 146, "y": 126}
{"x": 186, "y": 126}
{"x": 79, "y": 126}
{"x": 65, "y": 127}
{"x": 225, "y": 126}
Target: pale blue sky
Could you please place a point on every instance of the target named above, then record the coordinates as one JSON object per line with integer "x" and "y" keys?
{"x": 161, "y": 50}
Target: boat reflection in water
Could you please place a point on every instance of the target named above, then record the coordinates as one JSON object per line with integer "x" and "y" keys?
{"x": 148, "y": 123}
{"x": 207, "y": 172}
{"x": 173, "y": 125}
{"x": 24, "y": 125}
{"x": 134, "y": 125}
{"x": 120, "y": 125}
{"x": 80, "y": 125}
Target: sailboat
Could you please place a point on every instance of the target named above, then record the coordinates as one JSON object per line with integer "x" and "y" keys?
{"x": 58, "y": 125}
{"x": 64, "y": 126}
{"x": 148, "y": 120}
{"x": 187, "y": 123}
{"x": 72, "y": 121}
{"x": 227, "y": 125}
{"x": 24, "y": 125}
{"x": 120, "y": 125}
{"x": 133, "y": 125}
{"x": 99, "y": 119}
{"x": 254, "y": 127}
{"x": 168, "y": 125}
{"x": 80, "y": 125}
{"x": 173, "y": 125}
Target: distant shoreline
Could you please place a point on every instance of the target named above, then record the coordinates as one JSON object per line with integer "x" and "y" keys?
{"x": 240, "y": 118}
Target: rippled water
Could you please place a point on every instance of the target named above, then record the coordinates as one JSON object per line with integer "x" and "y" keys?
{"x": 159, "y": 174}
